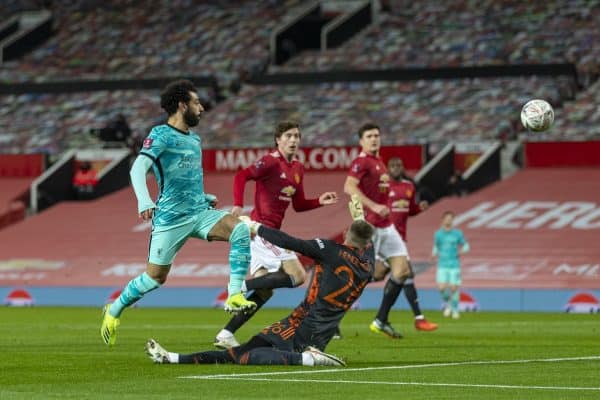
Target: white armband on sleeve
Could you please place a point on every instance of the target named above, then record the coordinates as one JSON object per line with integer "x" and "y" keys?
{"x": 138, "y": 171}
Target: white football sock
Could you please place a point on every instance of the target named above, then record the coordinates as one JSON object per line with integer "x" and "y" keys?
{"x": 173, "y": 357}
{"x": 308, "y": 360}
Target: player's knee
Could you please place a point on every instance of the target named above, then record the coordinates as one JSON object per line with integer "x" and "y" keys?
{"x": 380, "y": 271}
{"x": 157, "y": 274}
{"x": 297, "y": 275}
{"x": 159, "y": 278}
{"x": 401, "y": 274}
{"x": 400, "y": 269}
{"x": 295, "y": 270}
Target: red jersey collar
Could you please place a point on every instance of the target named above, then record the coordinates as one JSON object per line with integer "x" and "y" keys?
{"x": 280, "y": 154}
{"x": 362, "y": 153}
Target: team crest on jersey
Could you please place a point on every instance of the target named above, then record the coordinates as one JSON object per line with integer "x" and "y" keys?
{"x": 401, "y": 204}
{"x": 147, "y": 143}
{"x": 282, "y": 176}
{"x": 409, "y": 193}
{"x": 259, "y": 164}
{"x": 355, "y": 168}
{"x": 288, "y": 190}
{"x": 297, "y": 178}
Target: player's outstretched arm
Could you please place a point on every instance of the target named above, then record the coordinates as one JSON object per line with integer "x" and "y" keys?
{"x": 138, "y": 172}
{"x": 309, "y": 248}
{"x": 301, "y": 203}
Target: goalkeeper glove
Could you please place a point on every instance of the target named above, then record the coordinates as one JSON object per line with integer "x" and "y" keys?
{"x": 356, "y": 208}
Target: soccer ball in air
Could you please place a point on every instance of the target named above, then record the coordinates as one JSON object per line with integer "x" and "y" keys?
{"x": 537, "y": 115}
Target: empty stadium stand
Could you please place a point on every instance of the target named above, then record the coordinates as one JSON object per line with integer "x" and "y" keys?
{"x": 66, "y": 120}
{"x": 578, "y": 119}
{"x": 126, "y": 40}
{"x": 462, "y": 33}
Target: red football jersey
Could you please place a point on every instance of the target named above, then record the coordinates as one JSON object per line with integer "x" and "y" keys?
{"x": 278, "y": 183}
{"x": 374, "y": 182}
{"x": 402, "y": 204}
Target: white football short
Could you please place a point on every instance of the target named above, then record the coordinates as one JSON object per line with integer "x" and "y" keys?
{"x": 266, "y": 255}
{"x": 388, "y": 243}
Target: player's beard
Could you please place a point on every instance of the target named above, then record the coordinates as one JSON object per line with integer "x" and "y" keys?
{"x": 190, "y": 118}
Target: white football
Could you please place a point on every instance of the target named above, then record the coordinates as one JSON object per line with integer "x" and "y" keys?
{"x": 537, "y": 115}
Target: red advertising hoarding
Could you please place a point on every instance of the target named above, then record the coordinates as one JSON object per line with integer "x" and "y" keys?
{"x": 562, "y": 154}
{"x": 314, "y": 158}
{"x": 21, "y": 165}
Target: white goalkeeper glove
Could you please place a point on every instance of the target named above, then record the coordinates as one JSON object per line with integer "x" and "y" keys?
{"x": 356, "y": 208}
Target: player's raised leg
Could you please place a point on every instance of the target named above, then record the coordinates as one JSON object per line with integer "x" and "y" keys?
{"x": 237, "y": 233}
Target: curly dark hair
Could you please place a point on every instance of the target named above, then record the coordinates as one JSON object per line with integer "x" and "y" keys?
{"x": 175, "y": 92}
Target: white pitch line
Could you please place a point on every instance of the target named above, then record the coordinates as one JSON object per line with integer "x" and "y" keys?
{"x": 462, "y": 385}
{"x": 449, "y": 364}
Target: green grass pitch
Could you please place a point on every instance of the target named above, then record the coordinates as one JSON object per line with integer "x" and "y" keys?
{"x": 57, "y": 353}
